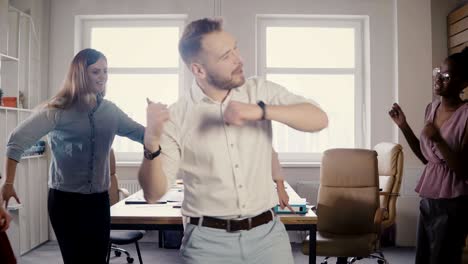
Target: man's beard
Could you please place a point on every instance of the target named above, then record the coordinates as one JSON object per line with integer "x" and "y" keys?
{"x": 224, "y": 84}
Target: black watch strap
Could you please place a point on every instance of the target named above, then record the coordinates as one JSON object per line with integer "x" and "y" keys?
{"x": 151, "y": 155}
{"x": 263, "y": 107}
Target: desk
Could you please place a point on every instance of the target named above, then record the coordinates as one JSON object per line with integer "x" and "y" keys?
{"x": 165, "y": 217}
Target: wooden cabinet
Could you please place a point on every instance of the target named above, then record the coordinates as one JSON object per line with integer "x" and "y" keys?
{"x": 457, "y": 22}
{"x": 19, "y": 75}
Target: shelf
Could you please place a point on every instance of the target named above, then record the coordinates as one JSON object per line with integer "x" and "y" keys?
{"x": 14, "y": 207}
{"x": 33, "y": 157}
{"x": 15, "y": 109}
{"x": 5, "y": 57}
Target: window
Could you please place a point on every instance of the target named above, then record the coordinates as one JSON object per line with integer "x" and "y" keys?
{"x": 322, "y": 59}
{"x": 143, "y": 62}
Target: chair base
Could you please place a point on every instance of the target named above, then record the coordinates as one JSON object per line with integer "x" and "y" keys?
{"x": 377, "y": 255}
{"x": 118, "y": 251}
{"x": 344, "y": 260}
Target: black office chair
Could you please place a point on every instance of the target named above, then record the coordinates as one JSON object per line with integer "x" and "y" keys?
{"x": 121, "y": 237}
{"x": 124, "y": 237}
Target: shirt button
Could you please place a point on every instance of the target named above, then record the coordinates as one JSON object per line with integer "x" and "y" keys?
{"x": 89, "y": 181}
{"x": 236, "y": 166}
{"x": 232, "y": 145}
{"x": 240, "y": 186}
{"x": 227, "y": 124}
{"x": 243, "y": 206}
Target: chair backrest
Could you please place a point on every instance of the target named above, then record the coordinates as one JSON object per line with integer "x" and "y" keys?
{"x": 349, "y": 192}
{"x": 114, "y": 195}
{"x": 390, "y": 162}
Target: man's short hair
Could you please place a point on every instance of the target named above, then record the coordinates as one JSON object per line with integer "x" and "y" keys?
{"x": 190, "y": 42}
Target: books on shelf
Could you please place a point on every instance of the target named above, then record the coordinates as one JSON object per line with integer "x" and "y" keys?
{"x": 298, "y": 204}
{"x": 299, "y": 207}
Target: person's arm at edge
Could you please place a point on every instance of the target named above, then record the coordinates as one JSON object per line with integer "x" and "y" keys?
{"x": 399, "y": 118}
{"x": 10, "y": 170}
{"x": 305, "y": 117}
{"x": 5, "y": 217}
{"x": 413, "y": 142}
{"x": 278, "y": 178}
{"x": 23, "y": 136}
{"x": 151, "y": 175}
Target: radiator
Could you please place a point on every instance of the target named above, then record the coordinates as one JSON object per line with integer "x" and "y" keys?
{"x": 308, "y": 190}
{"x": 131, "y": 185}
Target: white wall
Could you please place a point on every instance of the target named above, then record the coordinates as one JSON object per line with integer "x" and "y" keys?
{"x": 401, "y": 45}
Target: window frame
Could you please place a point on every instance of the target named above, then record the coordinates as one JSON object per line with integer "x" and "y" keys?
{"x": 360, "y": 70}
{"x": 83, "y": 27}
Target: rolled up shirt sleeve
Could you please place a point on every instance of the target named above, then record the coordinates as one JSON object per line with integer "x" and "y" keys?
{"x": 278, "y": 95}
{"x": 27, "y": 133}
{"x": 129, "y": 128}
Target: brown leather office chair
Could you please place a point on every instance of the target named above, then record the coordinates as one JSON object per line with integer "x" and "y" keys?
{"x": 120, "y": 237}
{"x": 390, "y": 163}
{"x": 349, "y": 213}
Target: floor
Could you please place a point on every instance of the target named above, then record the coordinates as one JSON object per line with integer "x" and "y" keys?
{"x": 49, "y": 253}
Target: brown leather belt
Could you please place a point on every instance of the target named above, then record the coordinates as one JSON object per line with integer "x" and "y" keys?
{"x": 234, "y": 225}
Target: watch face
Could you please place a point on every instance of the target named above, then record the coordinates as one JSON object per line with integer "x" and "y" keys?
{"x": 148, "y": 154}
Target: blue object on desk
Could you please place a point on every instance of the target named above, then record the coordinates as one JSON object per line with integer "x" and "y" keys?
{"x": 298, "y": 209}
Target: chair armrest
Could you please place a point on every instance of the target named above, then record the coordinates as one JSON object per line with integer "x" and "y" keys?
{"x": 380, "y": 215}
{"x": 124, "y": 192}
{"x": 389, "y": 194}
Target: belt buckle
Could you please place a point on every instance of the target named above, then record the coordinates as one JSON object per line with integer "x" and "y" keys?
{"x": 250, "y": 223}
{"x": 228, "y": 225}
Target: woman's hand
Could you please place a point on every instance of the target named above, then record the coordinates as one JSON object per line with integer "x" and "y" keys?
{"x": 397, "y": 115}
{"x": 8, "y": 191}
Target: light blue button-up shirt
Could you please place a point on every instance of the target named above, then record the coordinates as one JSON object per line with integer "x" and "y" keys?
{"x": 80, "y": 142}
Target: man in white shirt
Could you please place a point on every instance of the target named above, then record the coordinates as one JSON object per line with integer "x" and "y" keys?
{"x": 219, "y": 140}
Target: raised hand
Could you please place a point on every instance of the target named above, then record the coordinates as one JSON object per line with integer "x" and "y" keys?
{"x": 237, "y": 113}
{"x": 156, "y": 115}
{"x": 397, "y": 115}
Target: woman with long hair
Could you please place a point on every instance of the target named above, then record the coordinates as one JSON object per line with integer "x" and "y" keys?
{"x": 443, "y": 148}
{"x": 81, "y": 126}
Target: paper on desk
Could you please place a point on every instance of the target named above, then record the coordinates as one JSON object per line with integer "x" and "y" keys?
{"x": 173, "y": 195}
{"x": 297, "y": 201}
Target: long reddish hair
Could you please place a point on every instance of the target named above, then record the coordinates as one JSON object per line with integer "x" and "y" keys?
{"x": 75, "y": 89}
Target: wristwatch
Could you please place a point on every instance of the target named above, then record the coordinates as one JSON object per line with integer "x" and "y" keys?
{"x": 263, "y": 107}
{"x": 151, "y": 155}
